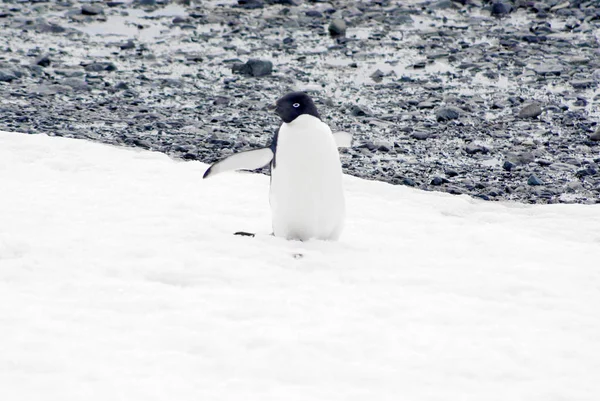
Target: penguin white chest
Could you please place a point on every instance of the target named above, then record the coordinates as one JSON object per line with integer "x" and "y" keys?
{"x": 307, "y": 197}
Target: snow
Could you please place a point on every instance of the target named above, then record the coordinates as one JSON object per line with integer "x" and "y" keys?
{"x": 120, "y": 279}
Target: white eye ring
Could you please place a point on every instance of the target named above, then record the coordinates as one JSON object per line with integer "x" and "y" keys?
{"x": 296, "y": 105}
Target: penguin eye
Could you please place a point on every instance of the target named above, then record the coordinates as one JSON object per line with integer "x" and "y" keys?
{"x": 296, "y": 105}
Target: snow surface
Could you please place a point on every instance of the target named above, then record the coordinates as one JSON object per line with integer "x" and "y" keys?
{"x": 120, "y": 279}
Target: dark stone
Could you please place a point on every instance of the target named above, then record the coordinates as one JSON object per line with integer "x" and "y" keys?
{"x": 337, "y": 27}
{"x": 127, "y": 45}
{"x": 251, "y": 4}
{"x": 534, "y": 180}
{"x": 254, "y": 68}
{"x": 43, "y": 61}
{"x": 500, "y": 9}
{"x": 437, "y": 181}
{"x": 314, "y": 14}
{"x": 100, "y": 66}
{"x": 358, "y": 111}
{"x": 596, "y": 135}
{"x": 508, "y": 166}
{"x": 530, "y": 110}
{"x": 91, "y": 9}
{"x": 451, "y": 173}
{"x": 447, "y": 113}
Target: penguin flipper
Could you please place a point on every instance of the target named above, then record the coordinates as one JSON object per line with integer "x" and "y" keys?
{"x": 343, "y": 139}
{"x": 248, "y": 160}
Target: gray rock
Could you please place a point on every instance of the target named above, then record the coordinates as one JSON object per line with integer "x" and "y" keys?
{"x": 448, "y": 113}
{"x": 421, "y": 135}
{"x": 530, "y": 110}
{"x": 473, "y": 148}
{"x": 360, "y": 111}
{"x": 596, "y": 135}
{"x": 7, "y": 75}
{"x": 91, "y": 9}
{"x": 100, "y": 66}
{"x": 127, "y": 45}
{"x": 51, "y": 89}
{"x": 314, "y": 14}
{"x": 337, "y": 27}
{"x": 437, "y": 181}
{"x": 42, "y": 61}
{"x": 500, "y": 9}
{"x": 534, "y": 180}
{"x": 508, "y": 165}
{"x": 77, "y": 84}
{"x": 254, "y": 68}
{"x": 583, "y": 83}
{"x": 549, "y": 69}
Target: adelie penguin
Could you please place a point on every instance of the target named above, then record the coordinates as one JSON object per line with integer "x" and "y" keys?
{"x": 306, "y": 195}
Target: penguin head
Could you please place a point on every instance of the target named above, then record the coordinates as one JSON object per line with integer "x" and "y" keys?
{"x": 295, "y": 104}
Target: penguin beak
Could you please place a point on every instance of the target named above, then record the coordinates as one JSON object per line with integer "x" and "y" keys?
{"x": 272, "y": 106}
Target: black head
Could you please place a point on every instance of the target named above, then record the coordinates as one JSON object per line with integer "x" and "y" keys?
{"x": 295, "y": 104}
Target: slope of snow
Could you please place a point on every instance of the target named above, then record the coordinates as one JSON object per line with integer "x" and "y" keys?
{"x": 120, "y": 279}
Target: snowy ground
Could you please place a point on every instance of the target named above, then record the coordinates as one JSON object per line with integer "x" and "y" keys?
{"x": 120, "y": 279}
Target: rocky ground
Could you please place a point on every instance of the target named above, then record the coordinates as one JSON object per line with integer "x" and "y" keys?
{"x": 498, "y": 101}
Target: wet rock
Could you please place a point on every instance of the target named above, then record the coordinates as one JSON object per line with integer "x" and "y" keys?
{"x": 337, "y": 27}
{"x": 100, "y": 66}
{"x": 534, "y": 180}
{"x": 530, "y": 110}
{"x": 91, "y": 9}
{"x": 254, "y": 68}
{"x": 447, "y": 113}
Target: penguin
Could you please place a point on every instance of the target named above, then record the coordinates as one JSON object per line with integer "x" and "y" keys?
{"x": 306, "y": 193}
